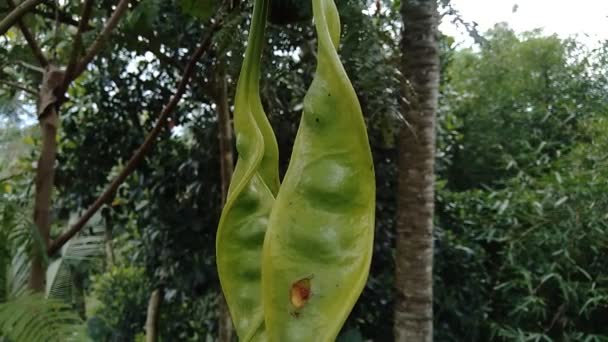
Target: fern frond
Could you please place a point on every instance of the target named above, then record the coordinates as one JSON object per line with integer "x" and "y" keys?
{"x": 32, "y": 318}
{"x": 17, "y": 274}
{"x": 59, "y": 273}
{"x": 83, "y": 248}
{"x": 59, "y": 280}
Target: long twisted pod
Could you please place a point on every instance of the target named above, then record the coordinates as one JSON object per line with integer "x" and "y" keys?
{"x": 318, "y": 246}
{"x": 254, "y": 185}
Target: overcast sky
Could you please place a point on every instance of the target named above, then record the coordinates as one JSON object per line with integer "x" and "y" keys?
{"x": 587, "y": 18}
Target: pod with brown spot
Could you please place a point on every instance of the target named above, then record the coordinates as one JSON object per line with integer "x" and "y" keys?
{"x": 318, "y": 246}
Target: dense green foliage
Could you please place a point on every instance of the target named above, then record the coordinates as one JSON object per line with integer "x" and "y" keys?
{"x": 522, "y": 172}
{"x": 522, "y": 219}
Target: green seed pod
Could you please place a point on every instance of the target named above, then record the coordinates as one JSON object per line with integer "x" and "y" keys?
{"x": 318, "y": 246}
{"x": 254, "y": 184}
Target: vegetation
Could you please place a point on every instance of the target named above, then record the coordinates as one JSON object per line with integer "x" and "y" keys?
{"x": 520, "y": 225}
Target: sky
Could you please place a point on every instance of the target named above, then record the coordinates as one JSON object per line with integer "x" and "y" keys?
{"x": 586, "y": 18}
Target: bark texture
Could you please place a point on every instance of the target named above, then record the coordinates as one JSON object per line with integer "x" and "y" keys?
{"x": 152, "y": 316}
{"x": 45, "y": 173}
{"x": 414, "y": 246}
{"x": 226, "y": 330}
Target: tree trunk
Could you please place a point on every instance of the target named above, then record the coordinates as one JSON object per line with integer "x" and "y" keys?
{"x": 78, "y": 295}
{"x": 153, "y": 314}
{"x": 108, "y": 236}
{"x": 414, "y": 245}
{"x": 45, "y": 174}
{"x": 226, "y": 330}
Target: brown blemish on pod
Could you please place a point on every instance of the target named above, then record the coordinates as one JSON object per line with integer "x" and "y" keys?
{"x": 300, "y": 292}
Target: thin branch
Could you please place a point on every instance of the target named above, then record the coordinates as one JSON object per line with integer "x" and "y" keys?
{"x": 140, "y": 153}
{"x": 20, "y": 87}
{"x": 31, "y": 41}
{"x": 77, "y": 45}
{"x": 7, "y": 178}
{"x": 16, "y": 14}
{"x": 31, "y": 67}
{"x": 64, "y": 18}
{"x": 97, "y": 45}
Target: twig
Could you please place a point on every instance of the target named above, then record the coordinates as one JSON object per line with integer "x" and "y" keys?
{"x": 139, "y": 154}
{"x": 31, "y": 67}
{"x": 20, "y": 87}
{"x": 31, "y": 41}
{"x": 7, "y": 178}
{"x": 64, "y": 18}
{"x": 77, "y": 45}
{"x": 16, "y": 14}
{"x": 97, "y": 45}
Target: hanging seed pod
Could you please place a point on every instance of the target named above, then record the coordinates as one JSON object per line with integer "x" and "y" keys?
{"x": 254, "y": 185}
{"x": 319, "y": 242}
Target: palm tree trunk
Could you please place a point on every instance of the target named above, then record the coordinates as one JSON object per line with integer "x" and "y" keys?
{"x": 226, "y": 330}
{"x": 414, "y": 246}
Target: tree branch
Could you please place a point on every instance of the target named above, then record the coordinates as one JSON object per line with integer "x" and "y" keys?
{"x": 139, "y": 154}
{"x": 16, "y": 14}
{"x": 97, "y": 45}
{"x": 77, "y": 44}
{"x": 7, "y": 178}
{"x": 31, "y": 67}
{"x": 29, "y": 37}
{"x": 63, "y": 17}
{"x": 58, "y": 14}
{"x": 20, "y": 87}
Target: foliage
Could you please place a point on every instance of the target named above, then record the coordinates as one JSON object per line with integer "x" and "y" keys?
{"x": 532, "y": 253}
{"x": 122, "y": 296}
{"x": 514, "y": 106}
{"x": 522, "y": 260}
{"x": 33, "y": 318}
{"x": 118, "y": 305}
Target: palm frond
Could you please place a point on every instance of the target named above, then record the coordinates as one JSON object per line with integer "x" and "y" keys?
{"x": 17, "y": 274}
{"x": 83, "y": 248}
{"x": 59, "y": 280}
{"x": 32, "y": 318}
{"x": 78, "y": 250}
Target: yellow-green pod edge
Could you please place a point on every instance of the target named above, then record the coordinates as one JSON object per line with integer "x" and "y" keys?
{"x": 251, "y": 194}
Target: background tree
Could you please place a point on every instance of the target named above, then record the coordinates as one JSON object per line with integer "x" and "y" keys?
{"x": 414, "y": 239}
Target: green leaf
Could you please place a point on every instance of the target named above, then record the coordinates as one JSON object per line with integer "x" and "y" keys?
{"x": 143, "y": 16}
{"x": 202, "y": 9}
{"x": 19, "y": 274}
